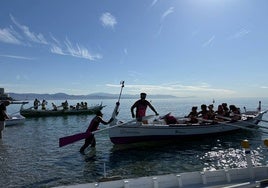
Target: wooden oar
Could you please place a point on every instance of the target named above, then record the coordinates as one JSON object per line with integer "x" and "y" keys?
{"x": 237, "y": 126}
{"x": 266, "y": 121}
{"x": 79, "y": 136}
{"x": 134, "y": 120}
{"x": 71, "y": 139}
{"x": 253, "y": 124}
{"x": 19, "y": 102}
{"x": 246, "y": 128}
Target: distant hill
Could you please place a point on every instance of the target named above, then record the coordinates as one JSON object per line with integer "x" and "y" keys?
{"x": 64, "y": 96}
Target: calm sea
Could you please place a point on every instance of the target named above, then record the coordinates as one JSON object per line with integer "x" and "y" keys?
{"x": 30, "y": 156}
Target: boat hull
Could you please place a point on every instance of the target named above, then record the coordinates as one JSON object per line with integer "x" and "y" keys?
{"x": 137, "y": 132}
{"x": 46, "y": 113}
{"x": 15, "y": 120}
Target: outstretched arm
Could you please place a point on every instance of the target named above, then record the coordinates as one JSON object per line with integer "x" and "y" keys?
{"x": 106, "y": 122}
{"x": 152, "y": 108}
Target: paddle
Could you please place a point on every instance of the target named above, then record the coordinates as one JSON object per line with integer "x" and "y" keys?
{"x": 131, "y": 121}
{"x": 71, "y": 139}
{"x": 266, "y": 121}
{"x": 245, "y": 122}
{"x": 115, "y": 112}
{"x": 233, "y": 125}
{"x": 246, "y": 128}
{"x": 19, "y": 102}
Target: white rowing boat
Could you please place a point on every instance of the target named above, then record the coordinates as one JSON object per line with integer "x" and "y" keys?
{"x": 157, "y": 130}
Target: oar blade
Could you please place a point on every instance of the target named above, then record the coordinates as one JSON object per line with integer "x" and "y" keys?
{"x": 71, "y": 139}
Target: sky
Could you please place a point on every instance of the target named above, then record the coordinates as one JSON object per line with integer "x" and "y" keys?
{"x": 185, "y": 48}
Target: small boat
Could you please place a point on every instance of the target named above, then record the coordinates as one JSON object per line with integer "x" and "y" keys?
{"x": 135, "y": 132}
{"x": 15, "y": 119}
{"x": 30, "y": 112}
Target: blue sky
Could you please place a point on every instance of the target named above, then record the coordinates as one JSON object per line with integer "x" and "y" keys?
{"x": 206, "y": 48}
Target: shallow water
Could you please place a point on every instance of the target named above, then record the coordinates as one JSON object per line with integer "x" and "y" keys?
{"x": 30, "y": 156}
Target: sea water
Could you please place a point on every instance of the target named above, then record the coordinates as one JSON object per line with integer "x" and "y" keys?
{"x": 30, "y": 155}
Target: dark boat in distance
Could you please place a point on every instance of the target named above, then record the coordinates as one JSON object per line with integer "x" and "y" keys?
{"x": 30, "y": 112}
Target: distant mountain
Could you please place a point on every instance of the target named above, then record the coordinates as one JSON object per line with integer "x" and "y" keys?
{"x": 64, "y": 96}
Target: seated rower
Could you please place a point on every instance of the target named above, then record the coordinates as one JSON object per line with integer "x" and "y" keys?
{"x": 44, "y": 103}
{"x": 220, "y": 113}
{"x": 225, "y": 109}
{"x": 54, "y": 107}
{"x": 77, "y": 106}
{"x": 65, "y": 105}
{"x": 204, "y": 112}
{"x": 193, "y": 115}
{"x": 211, "y": 113}
{"x": 36, "y": 104}
{"x": 85, "y": 105}
{"x": 235, "y": 113}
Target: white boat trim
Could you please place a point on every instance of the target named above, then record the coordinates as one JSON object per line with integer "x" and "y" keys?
{"x": 15, "y": 119}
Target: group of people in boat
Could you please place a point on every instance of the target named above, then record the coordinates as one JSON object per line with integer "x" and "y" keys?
{"x": 79, "y": 106}
{"x": 208, "y": 113}
{"x": 64, "y": 105}
{"x": 37, "y": 103}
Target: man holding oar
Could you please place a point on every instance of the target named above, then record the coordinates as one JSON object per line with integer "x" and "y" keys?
{"x": 93, "y": 126}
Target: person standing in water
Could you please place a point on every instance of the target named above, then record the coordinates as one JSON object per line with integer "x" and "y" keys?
{"x": 93, "y": 126}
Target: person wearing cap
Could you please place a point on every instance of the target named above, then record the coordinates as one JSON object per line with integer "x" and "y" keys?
{"x": 3, "y": 116}
{"x": 141, "y": 106}
{"x": 93, "y": 126}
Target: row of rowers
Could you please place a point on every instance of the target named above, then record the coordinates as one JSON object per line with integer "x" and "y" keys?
{"x": 64, "y": 105}
{"x": 208, "y": 113}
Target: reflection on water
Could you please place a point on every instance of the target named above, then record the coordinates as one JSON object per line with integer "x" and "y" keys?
{"x": 30, "y": 152}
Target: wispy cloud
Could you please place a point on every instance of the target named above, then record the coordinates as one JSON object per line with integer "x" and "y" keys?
{"x": 38, "y": 38}
{"x": 16, "y": 57}
{"x": 209, "y": 41}
{"x": 74, "y": 51}
{"x": 166, "y": 13}
{"x": 241, "y": 33}
{"x": 153, "y": 3}
{"x": 56, "y": 50}
{"x": 22, "y": 35}
{"x": 162, "y": 19}
{"x": 8, "y": 35}
{"x": 108, "y": 20}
